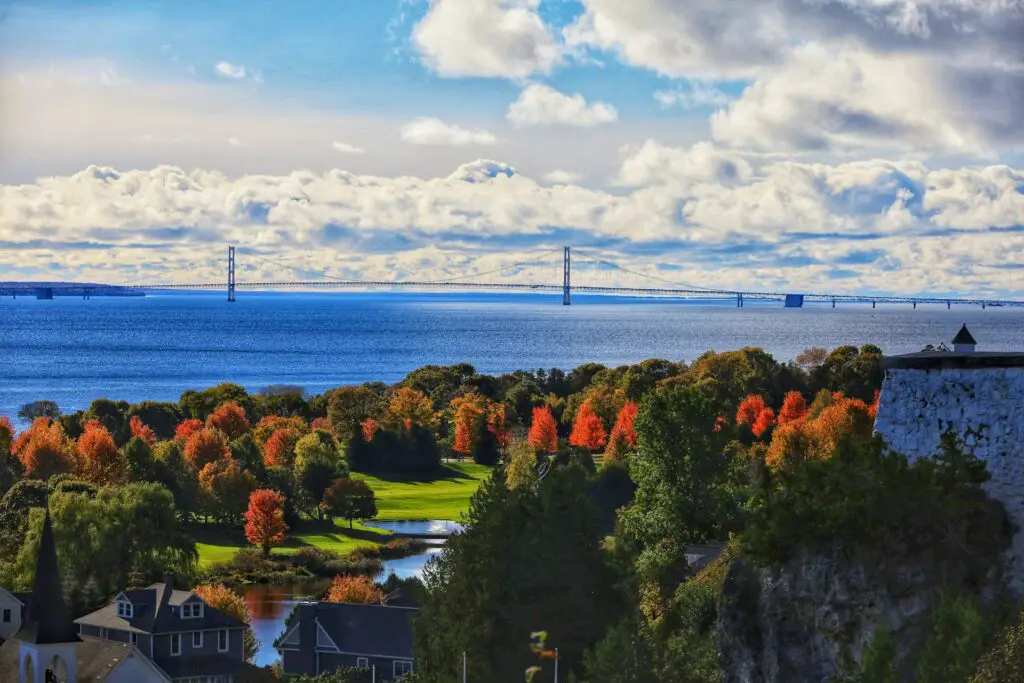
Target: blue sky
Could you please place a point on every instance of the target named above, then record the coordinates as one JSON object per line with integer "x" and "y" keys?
{"x": 809, "y": 144}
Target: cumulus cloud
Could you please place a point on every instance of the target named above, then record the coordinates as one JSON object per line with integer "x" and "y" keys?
{"x": 346, "y": 148}
{"x": 560, "y": 177}
{"x": 432, "y": 131}
{"x": 773, "y": 222}
{"x": 229, "y": 70}
{"x": 655, "y": 164}
{"x": 543, "y": 105}
{"x": 491, "y": 38}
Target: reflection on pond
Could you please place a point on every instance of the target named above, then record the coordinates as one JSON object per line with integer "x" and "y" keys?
{"x": 270, "y": 604}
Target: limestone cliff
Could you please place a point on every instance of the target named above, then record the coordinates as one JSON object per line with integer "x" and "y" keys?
{"x": 799, "y": 623}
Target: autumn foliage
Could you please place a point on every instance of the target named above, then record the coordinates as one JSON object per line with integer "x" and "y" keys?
{"x": 543, "y": 435}
{"x": 749, "y": 410}
{"x": 273, "y": 423}
{"x": 623, "y": 437}
{"x": 141, "y": 430}
{"x": 264, "y": 520}
{"x": 44, "y": 449}
{"x": 355, "y": 589}
{"x": 187, "y": 428}
{"x": 816, "y": 436}
{"x": 225, "y": 600}
{"x": 468, "y": 414}
{"x": 230, "y": 419}
{"x": 321, "y": 423}
{"x": 765, "y": 421}
{"x": 587, "y": 430}
{"x": 98, "y": 458}
{"x": 369, "y": 426}
{"x": 409, "y": 407}
{"x": 497, "y": 423}
{"x": 279, "y": 451}
{"x": 794, "y": 408}
{"x": 204, "y": 447}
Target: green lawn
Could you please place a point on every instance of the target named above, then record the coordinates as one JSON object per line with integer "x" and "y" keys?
{"x": 445, "y": 497}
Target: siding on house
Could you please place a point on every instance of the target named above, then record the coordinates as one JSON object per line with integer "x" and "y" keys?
{"x": 10, "y": 607}
{"x": 162, "y": 645}
{"x": 385, "y": 665}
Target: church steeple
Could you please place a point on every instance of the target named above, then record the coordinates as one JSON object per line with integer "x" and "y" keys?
{"x": 48, "y": 620}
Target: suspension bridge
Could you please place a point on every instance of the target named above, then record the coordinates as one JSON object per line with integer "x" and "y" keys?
{"x": 565, "y": 271}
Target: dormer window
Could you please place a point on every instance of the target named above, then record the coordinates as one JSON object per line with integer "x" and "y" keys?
{"x": 124, "y": 609}
{"x": 192, "y": 610}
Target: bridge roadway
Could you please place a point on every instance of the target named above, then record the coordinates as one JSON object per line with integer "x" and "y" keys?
{"x": 28, "y": 289}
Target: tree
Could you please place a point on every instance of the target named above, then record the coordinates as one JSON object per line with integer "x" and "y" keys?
{"x": 794, "y": 408}
{"x": 175, "y": 473}
{"x": 44, "y": 450}
{"x": 227, "y": 487}
{"x": 186, "y": 429}
{"x": 248, "y": 454}
{"x": 587, "y": 430}
{"x": 279, "y": 451}
{"x": 138, "y": 459}
{"x": 409, "y": 407}
{"x": 199, "y": 404}
{"x": 543, "y": 435}
{"x": 497, "y": 423}
{"x": 223, "y": 599}
{"x": 205, "y": 446}
{"x": 230, "y": 419}
{"x": 316, "y": 467}
{"x": 161, "y": 417}
{"x": 750, "y": 409}
{"x": 264, "y": 519}
{"x": 350, "y": 406}
{"x": 36, "y": 409}
{"x": 351, "y": 499}
{"x": 355, "y": 589}
{"x": 139, "y": 430}
{"x": 623, "y": 437}
{"x": 11, "y": 469}
{"x": 113, "y": 415}
{"x": 272, "y": 423}
{"x": 368, "y": 428}
{"x": 98, "y": 458}
{"x": 765, "y": 421}
{"x": 522, "y": 465}
{"x": 467, "y": 415}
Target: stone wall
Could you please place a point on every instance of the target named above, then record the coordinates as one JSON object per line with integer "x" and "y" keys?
{"x": 981, "y": 398}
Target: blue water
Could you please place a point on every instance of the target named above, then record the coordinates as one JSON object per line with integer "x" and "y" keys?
{"x": 72, "y": 351}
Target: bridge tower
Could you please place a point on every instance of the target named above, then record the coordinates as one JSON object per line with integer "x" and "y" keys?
{"x": 231, "y": 274}
{"x": 567, "y": 277}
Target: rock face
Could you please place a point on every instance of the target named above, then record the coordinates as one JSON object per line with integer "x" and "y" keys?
{"x": 978, "y": 396}
{"x": 799, "y": 623}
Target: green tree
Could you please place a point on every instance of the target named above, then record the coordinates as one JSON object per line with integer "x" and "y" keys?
{"x": 522, "y": 465}
{"x": 162, "y": 418}
{"x": 30, "y": 411}
{"x": 141, "y": 464}
{"x": 174, "y": 472}
{"x": 350, "y": 499}
{"x": 113, "y": 415}
{"x": 349, "y": 406}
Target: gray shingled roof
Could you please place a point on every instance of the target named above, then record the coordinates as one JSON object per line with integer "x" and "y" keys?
{"x": 147, "y": 617}
{"x": 964, "y": 336}
{"x": 368, "y": 629}
{"x": 95, "y": 659}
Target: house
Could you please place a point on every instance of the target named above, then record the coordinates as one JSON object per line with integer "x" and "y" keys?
{"x": 186, "y": 638}
{"x": 46, "y": 646}
{"x": 328, "y": 636}
{"x": 12, "y": 611}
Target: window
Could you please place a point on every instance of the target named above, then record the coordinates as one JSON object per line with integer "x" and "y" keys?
{"x": 124, "y": 609}
{"x": 362, "y": 663}
{"x": 401, "y": 668}
{"x": 105, "y": 633}
{"x": 134, "y": 637}
{"x": 222, "y": 640}
{"x": 175, "y": 644}
{"x": 197, "y": 639}
{"x": 192, "y": 610}
{"x": 7, "y": 616}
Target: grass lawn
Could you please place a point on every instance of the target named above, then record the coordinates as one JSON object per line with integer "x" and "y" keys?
{"x": 399, "y": 497}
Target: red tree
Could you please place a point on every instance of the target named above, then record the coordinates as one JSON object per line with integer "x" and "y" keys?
{"x": 279, "y": 451}
{"x": 187, "y": 428}
{"x": 142, "y": 431}
{"x": 467, "y": 415}
{"x": 321, "y": 423}
{"x": 44, "y": 449}
{"x": 498, "y": 425}
{"x": 543, "y": 434}
{"x": 369, "y": 427}
{"x": 749, "y": 410}
{"x": 765, "y": 421}
{"x": 230, "y": 419}
{"x": 98, "y": 458}
{"x": 794, "y": 407}
{"x": 587, "y": 430}
{"x": 272, "y": 423}
{"x": 264, "y": 520}
{"x": 623, "y": 438}
{"x": 206, "y": 446}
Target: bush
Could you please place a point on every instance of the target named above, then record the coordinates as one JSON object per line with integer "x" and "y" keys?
{"x": 1004, "y": 662}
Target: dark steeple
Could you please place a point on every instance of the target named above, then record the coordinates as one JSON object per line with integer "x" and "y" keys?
{"x": 964, "y": 336}
{"x": 47, "y": 621}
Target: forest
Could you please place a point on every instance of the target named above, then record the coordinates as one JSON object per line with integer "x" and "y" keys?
{"x": 600, "y": 479}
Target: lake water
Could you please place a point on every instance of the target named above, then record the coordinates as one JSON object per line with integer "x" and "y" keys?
{"x": 72, "y": 351}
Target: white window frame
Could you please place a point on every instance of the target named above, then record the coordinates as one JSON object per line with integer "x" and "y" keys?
{"x": 194, "y": 643}
{"x": 175, "y": 638}
{"x": 362, "y": 663}
{"x": 124, "y": 609}
{"x": 7, "y": 616}
{"x": 227, "y": 640}
{"x": 394, "y": 667}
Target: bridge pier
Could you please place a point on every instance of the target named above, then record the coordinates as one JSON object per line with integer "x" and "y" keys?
{"x": 231, "y": 274}
{"x": 915, "y": 305}
{"x": 567, "y": 277}
{"x": 873, "y": 302}
{"x": 949, "y": 305}
{"x": 739, "y": 299}
{"x": 833, "y": 303}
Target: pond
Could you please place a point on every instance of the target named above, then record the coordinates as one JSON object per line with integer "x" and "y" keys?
{"x": 271, "y": 604}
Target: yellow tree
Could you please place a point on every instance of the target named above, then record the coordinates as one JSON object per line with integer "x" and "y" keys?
{"x": 409, "y": 407}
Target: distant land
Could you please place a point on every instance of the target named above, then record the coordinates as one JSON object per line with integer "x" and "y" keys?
{"x": 50, "y": 290}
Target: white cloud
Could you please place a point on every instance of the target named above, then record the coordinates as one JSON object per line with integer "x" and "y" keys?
{"x": 698, "y": 94}
{"x": 229, "y": 70}
{"x": 559, "y": 177}
{"x": 346, "y": 148}
{"x": 655, "y": 164}
{"x": 542, "y": 105}
{"x": 491, "y": 38}
{"x": 234, "y": 142}
{"x": 431, "y": 131}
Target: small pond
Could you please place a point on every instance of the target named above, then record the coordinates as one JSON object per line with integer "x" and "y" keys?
{"x": 271, "y": 604}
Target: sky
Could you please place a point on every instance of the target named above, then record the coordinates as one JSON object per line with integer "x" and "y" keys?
{"x": 867, "y": 146}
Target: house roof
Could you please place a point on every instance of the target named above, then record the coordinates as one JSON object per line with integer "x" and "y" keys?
{"x": 382, "y": 630}
{"x": 47, "y": 620}
{"x": 212, "y": 665}
{"x": 94, "y": 660}
{"x": 151, "y": 613}
{"x": 964, "y": 336}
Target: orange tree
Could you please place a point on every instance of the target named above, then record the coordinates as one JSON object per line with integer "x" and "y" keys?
{"x": 765, "y": 421}
{"x": 623, "y": 437}
{"x": 543, "y": 435}
{"x": 279, "y": 450}
{"x": 99, "y": 461}
{"x": 264, "y": 520}
{"x": 141, "y": 430}
{"x": 205, "y": 446}
{"x": 749, "y": 410}
{"x": 230, "y": 419}
{"x": 354, "y": 589}
{"x": 587, "y": 430}
{"x": 227, "y": 487}
{"x": 223, "y": 599}
{"x": 794, "y": 408}
{"x": 185, "y": 429}
{"x": 44, "y": 450}
{"x": 409, "y": 407}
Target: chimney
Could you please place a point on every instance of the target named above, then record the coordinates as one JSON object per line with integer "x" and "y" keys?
{"x": 964, "y": 342}
{"x": 169, "y": 580}
{"x": 307, "y": 638}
